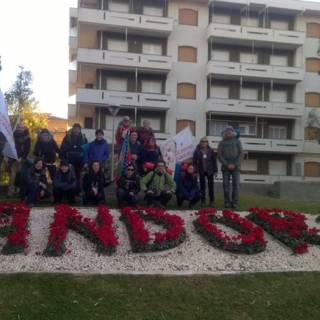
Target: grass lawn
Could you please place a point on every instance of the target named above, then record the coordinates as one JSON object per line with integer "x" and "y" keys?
{"x": 245, "y": 202}
{"x": 256, "y": 296}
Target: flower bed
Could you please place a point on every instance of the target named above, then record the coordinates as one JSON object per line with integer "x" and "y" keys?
{"x": 249, "y": 241}
{"x": 14, "y": 226}
{"x": 140, "y": 238}
{"x": 101, "y": 232}
{"x": 286, "y": 226}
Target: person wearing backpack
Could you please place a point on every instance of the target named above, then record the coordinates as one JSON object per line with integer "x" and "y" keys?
{"x": 188, "y": 188}
{"x": 230, "y": 154}
{"x": 22, "y": 143}
{"x": 205, "y": 162}
{"x": 72, "y": 150}
{"x": 46, "y": 147}
{"x": 154, "y": 185}
{"x": 64, "y": 183}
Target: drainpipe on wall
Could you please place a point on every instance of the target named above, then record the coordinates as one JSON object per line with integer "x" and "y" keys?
{"x": 99, "y": 118}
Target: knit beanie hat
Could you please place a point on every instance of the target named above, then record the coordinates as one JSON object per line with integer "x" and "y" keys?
{"x": 64, "y": 162}
{"x": 77, "y": 125}
{"x": 229, "y": 128}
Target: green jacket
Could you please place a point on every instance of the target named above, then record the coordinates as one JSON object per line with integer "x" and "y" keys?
{"x": 155, "y": 178}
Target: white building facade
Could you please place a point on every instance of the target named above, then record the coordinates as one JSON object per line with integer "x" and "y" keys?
{"x": 206, "y": 64}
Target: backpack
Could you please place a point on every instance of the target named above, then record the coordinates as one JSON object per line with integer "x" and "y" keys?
{"x": 69, "y": 133}
{"x": 21, "y": 177}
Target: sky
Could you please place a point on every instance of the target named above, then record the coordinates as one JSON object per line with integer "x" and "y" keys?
{"x": 34, "y": 34}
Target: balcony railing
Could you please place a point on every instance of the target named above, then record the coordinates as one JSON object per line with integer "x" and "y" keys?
{"x": 284, "y": 37}
{"x": 73, "y": 34}
{"x": 265, "y": 145}
{"x": 73, "y": 71}
{"x": 124, "y": 59}
{"x": 257, "y": 71}
{"x": 143, "y": 100}
{"x": 254, "y": 107}
{"x": 160, "y": 25}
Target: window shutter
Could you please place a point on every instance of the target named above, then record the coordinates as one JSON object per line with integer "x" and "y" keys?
{"x": 313, "y": 30}
{"x": 187, "y": 54}
{"x": 186, "y": 91}
{"x": 117, "y": 84}
{"x": 312, "y": 99}
{"x": 188, "y": 17}
{"x": 313, "y": 65}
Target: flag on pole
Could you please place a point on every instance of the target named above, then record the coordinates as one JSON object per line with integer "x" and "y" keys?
{"x": 5, "y": 127}
{"x": 124, "y": 157}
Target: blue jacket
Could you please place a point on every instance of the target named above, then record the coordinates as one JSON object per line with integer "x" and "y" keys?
{"x": 97, "y": 150}
{"x": 189, "y": 188}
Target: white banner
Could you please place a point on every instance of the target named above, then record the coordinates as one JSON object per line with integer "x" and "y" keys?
{"x": 178, "y": 148}
{"x": 5, "y": 127}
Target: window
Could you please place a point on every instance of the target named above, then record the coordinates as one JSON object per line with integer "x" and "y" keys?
{"x": 276, "y": 24}
{"x": 278, "y": 167}
{"x": 249, "y": 94}
{"x": 88, "y": 123}
{"x": 187, "y": 91}
{"x": 151, "y": 48}
{"x": 155, "y": 123}
{"x": 278, "y": 96}
{"x": 118, "y": 6}
{"x": 312, "y": 99}
{"x": 313, "y": 30}
{"x": 312, "y": 169}
{"x": 151, "y": 86}
{"x": 279, "y": 61}
{"x": 247, "y": 129}
{"x": 117, "y": 45}
{"x": 220, "y": 55}
{"x": 187, "y": 54}
{"x": 250, "y": 22}
{"x": 277, "y": 132}
{"x": 219, "y": 92}
{"x": 221, "y": 18}
{"x": 117, "y": 84}
{"x": 249, "y": 165}
{"x": 215, "y": 128}
{"x": 313, "y": 65}
{"x": 188, "y": 17}
{"x": 153, "y": 11}
{"x": 248, "y": 57}
{"x": 181, "y": 124}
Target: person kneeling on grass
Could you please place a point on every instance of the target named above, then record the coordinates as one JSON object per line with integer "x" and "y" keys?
{"x": 128, "y": 187}
{"x": 188, "y": 188}
{"x": 93, "y": 184}
{"x": 154, "y": 184}
{"x": 64, "y": 183}
{"x": 36, "y": 181}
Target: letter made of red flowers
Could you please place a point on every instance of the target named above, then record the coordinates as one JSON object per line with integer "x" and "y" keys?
{"x": 100, "y": 232}
{"x": 140, "y": 238}
{"x": 288, "y": 227}
{"x": 13, "y": 226}
{"x": 249, "y": 241}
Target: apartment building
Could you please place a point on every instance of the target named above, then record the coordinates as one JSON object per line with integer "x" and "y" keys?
{"x": 205, "y": 64}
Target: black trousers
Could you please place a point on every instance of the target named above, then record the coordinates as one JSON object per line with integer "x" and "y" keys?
{"x": 59, "y": 194}
{"x": 203, "y": 185}
{"x": 163, "y": 198}
{"x": 192, "y": 202}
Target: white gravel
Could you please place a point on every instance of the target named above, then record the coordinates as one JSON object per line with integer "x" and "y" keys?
{"x": 194, "y": 256}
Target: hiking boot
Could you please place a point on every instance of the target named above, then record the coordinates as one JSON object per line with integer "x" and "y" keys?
{"x": 191, "y": 207}
{"x": 30, "y": 205}
{"x": 203, "y": 203}
{"x": 227, "y": 205}
{"x": 234, "y": 206}
{"x": 212, "y": 204}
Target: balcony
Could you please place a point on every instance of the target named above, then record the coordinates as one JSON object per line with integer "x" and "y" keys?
{"x": 217, "y": 105}
{"x": 73, "y": 37}
{"x": 265, "y": 145}
{"x": 73, "y": 71}
{"x": 262, "y": 37}
{"x": 149, "y": 101}
{"x": 113, "y": 21}
{"x": 234, "y": 70}
{"x": 125, "y": 59}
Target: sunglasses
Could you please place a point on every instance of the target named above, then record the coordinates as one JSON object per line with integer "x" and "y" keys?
{"x": 205, "y": 141}
{"x": 130, "y": 169}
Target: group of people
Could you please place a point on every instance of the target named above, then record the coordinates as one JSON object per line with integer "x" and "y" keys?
{"x": 81, "y": 168}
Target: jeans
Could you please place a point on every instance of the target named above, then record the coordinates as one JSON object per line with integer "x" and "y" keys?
{"x": 203, "y": 185}
{"x": 32, "y": 193}
{"x": 163, "y": 198}
{"x": 192, "y": 202}
{"x": 235, "y": 186}
{"x": 122, "y": 196}
{"x": 89, "y": 196}
{"x": 59, "y": 193}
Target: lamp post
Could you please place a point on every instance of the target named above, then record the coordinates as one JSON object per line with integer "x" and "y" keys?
{"x": 114, "y": 109}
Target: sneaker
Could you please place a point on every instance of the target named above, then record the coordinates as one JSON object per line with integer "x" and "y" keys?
{"x": 235, "y": 206}
{"x": 191, "y": 208}
{"x": 30, "y": 205}
{"x": 212, "y": 204}
{"x": 203, "y": 203}
{"x": 227, "y": 205}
